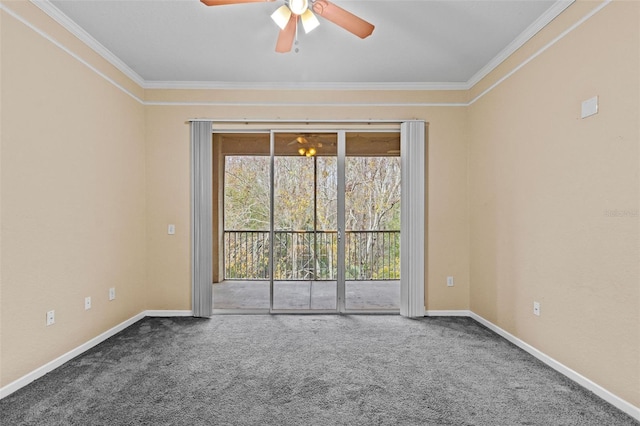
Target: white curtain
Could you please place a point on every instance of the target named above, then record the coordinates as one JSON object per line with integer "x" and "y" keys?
{"x": 201, "y": 218}
{"x": 412, "y": 243}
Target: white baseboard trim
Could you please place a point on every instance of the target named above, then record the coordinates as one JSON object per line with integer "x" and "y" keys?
{"x": 174, "y": 313}
{"x": 52, "y": 365}
{"x": 612, "y": 399}
{"x": 453, "y": 313}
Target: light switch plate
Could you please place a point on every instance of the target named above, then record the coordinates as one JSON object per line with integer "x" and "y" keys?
{"x": 171, "y": 229}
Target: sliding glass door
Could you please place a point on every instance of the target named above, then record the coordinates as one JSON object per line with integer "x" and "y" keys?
{"x": 336, "y": 221}
{"x": 310, "y": 222}
{"x": 304, "y": 222}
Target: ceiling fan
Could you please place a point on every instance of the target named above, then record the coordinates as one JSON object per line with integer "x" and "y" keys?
{"x": 286, "y": 17}
{"x": 309, "y": 144}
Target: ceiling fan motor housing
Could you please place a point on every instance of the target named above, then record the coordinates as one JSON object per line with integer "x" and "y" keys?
{"x": 297, "y": 7}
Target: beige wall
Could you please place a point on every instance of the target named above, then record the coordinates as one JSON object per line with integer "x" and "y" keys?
{"x": 519, "y": 189}
{"x": 544, "y": 185}
{"x": 73, "y": 201}
{"x": 168, "y": 191}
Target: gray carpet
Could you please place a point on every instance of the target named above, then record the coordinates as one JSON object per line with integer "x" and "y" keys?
{"x": 306, "y": 370}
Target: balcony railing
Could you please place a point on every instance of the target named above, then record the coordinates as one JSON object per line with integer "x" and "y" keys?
{"x": 309, "y": 255}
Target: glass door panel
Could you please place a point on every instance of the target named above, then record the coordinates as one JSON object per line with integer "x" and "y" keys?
{"x": 308, "y": 221}
{"x": 372, "y": 221}
{"x": 241, "y": 172}
{"x": 304, "y": 221}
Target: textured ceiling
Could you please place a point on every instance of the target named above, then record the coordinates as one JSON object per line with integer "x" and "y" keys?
{"x": 427, "y": 42}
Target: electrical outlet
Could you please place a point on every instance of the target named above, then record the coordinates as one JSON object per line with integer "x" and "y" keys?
{"x": 536, "y": 308}
{"x": 51, "y": 317}
{"x": 449, "y": 281}
{"x": 87, "y": 303}
{"x": 112, "y": 293}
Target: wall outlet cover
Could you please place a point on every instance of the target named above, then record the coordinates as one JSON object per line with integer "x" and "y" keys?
{"x": 51, "y": 317}
{"x": 536, "y": 308}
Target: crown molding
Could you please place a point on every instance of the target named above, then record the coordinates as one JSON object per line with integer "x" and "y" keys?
{"x": 549, "y": 15}
{"x": 558, "y": 7}
{"x": 221, "y": 85}
{"x": 542, "y": 49}
{"x": 47, "y": 7}
{"x": 71, "y": 53}
{"x": 57, "y": 15}
{"x": 307, "y": 104}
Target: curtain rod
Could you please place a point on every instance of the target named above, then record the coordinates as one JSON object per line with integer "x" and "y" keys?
{"x": 297, "y": 121}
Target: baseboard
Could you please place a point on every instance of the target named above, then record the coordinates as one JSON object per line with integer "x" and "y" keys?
{"x": 612, "y": 399}
{"x": 52, "y": 365}
{"x": 457, "y": 313}
{"x": 158, "y": 313}
{"x": 41, "y": 371}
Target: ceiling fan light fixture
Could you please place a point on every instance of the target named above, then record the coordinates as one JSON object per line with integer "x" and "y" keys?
{"x": 309, "y": 21}
{"x": 281, "y": 16}
{"x": 286, "y": 17}
{"x": 298, "y": 7}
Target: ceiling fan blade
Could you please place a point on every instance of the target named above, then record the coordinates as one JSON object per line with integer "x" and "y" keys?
{"x": 343, "y": 18}
{"x": 286, "y": 36}
{"x": 301, "y": 140}
{"x": 223, "y": 2}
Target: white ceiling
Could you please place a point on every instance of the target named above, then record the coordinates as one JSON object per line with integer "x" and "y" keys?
{"x": 180, "y": 43}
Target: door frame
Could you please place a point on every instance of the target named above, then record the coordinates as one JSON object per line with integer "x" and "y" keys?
{"x": 414, "y": 140}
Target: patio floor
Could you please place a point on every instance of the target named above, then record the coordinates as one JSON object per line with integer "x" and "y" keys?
{"x": 306, "y": 295}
